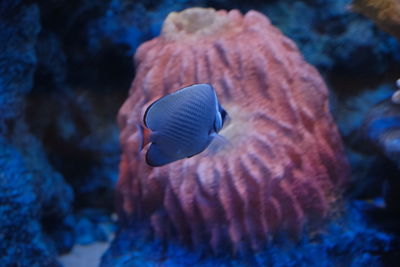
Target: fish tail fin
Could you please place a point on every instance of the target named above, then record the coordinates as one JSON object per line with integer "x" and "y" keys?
{"x": 144, "y": 134}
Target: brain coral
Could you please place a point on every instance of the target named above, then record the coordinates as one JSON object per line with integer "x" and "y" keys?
{"x": 283, "y": 165}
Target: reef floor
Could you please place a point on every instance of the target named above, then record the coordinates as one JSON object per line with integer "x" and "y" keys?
{"x": 84, "y": 255}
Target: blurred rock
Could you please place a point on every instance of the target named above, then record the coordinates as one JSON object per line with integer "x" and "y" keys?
{"x": 349, "y": 241}
{"x": 381, "y": 130}
{"x": 93, "y": 225}
{"x": 366, "y": 164}
{"x": 72, "y": 111}
{"x": 30, "y": 190}
{"x": 19, "y": 28}
{"x": 23, "y": 205}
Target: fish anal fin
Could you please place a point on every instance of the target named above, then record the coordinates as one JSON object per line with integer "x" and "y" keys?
{"x": 217, "y": 143}
{"x": 156, "y": 158}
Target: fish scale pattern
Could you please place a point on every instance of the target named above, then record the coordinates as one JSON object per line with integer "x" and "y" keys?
{"x": 282, "y": 167}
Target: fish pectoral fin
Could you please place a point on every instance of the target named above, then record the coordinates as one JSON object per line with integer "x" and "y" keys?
{"x": 217, "y": 142}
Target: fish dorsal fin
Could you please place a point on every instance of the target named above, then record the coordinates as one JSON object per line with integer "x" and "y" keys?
{"x": 160, "y": 112}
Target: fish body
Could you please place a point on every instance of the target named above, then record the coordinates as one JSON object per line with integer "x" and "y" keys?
{"x": 182, "y": 123}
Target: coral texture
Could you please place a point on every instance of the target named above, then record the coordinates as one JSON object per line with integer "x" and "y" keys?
{"x": 283, "y": 165}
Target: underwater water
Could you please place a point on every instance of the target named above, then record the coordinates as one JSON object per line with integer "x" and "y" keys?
{"x": 76, "y": 191}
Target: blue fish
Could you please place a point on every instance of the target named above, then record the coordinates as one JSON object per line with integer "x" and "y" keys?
{"x": 182, "y": 124}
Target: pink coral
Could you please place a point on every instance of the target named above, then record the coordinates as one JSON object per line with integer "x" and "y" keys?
{"x": 284, "y": 166}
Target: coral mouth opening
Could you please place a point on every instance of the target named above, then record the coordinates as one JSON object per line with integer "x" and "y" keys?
{"x": 193, "y": 21}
